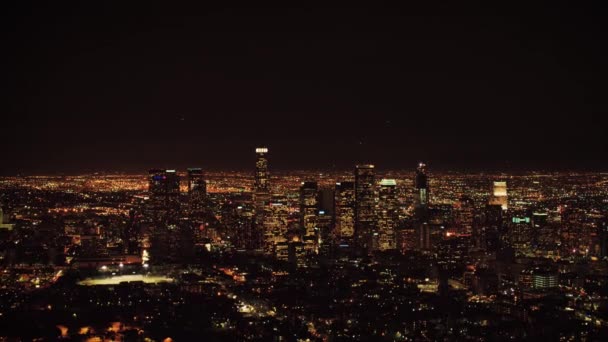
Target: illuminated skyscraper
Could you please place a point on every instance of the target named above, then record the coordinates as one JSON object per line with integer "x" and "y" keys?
{"x": 163, "y": 189}
{"x": 421, "y": 195}
{"x": 365, "y": 207}
{"x": 197, "y": 190}
{"x": 499, "y": 194}
{"x": 274, "y": 225}
{"x": 344, "y": 206}
{"x": 308, "y": 215}
{"x": 388, "y": 215}
{"x": 261, "y": 187}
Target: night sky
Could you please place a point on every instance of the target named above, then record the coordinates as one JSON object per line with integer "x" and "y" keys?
{"x": 109, "y": 87}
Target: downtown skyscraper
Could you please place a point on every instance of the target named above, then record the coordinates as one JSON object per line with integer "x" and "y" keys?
{"x": 365, "y": 208}
{"x": 197, "y": 190}
{"x": 163, "y": 191}
{"x": 308, "y": 215}
{"x": 344, "y": 212}
{"x": 388, "y": 215}
{"x": 261, "y": 186}
{"x": 421, "y": 195}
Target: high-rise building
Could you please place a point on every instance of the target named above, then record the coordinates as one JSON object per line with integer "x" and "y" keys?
{"x": 261, "y": 187}
{"x": 424, "y": 236}
{"x": 344, "y": 206}
{"x": 365, "y": 207}
{"x": 197, "y": 190}
{"x": 388, "y": 215}
{"x": 421, "y": 195}
{"x": 499, "y": 194}
{"x": 520, "y": 235}
{"x": 163, "y": 189}
{"x": 324, "y": 222}
{"x": 326, "y": 200}
{"x": 464, "y": 215}
{"x": 490, "y": 233}
{"x": 274, "y": 221}
{"x": 308, "y": 215}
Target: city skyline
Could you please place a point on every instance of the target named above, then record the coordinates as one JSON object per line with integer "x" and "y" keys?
{"x": 428, "y": 172}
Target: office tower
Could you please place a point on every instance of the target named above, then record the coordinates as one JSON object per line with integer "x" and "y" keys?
{"x": 326, "y": 200}
{"x": 421, "y": 195}
{"x": 464, "y": 215}
{"x": 424, "y": 236}
{"x": 324, "y": 225}
{"x": 388, "y": 215}
{"x": 163, "y": 189}
{"x": 197, "y": 190}
{"x": 344, "y": 206}
{"x": 308, "y": 215}
{"x": 261, "y": 186}
{"x": 499, "y": 195}
{"x": 543, "y": 236}
{"x": 274, "y": 223}
{"x": 365, "y": 207}
{"x": 489, "y": 235}
{"x": 237, "y": 218}
{"x": 520, "y": 233}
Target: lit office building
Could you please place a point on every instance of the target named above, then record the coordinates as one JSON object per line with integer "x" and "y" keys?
{"x": 308, "y": 215}
{"x": 274, "y": 221}
{"x": 365, "y": 207}
{"x": 197, "y": 190}
{"x": 464, "y": 215}
{"x": 163, "y": 189}
{"x": 344, "y": 228}
{"x": 421, "y": 193}
{"x": 388, "y": 215}
{"x": 499, "y": 195}
{"x": 261, "y": 186}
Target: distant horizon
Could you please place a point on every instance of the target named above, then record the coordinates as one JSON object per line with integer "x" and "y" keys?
{"x": 273, "y": 171}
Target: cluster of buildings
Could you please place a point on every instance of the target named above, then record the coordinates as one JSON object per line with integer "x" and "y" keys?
{"x": 359, "y": 254}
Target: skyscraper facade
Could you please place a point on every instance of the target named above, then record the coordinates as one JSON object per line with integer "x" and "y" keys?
{"x": 344, "y": 207}
{"x": 464, "y": 216}
{"x": 388, "y": 214}
{"x": 499, "y": 194}
{"x": 197, "y": 190}
{"x": 308, "y": 215}
{"x": 163, "y": 190}
{"x": 365, "y": 207}
{"x": 421, "y": 194}
{"x": 261, "y": 187}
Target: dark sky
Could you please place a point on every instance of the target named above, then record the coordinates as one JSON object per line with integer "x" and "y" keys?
{"x": 112, "y": 86}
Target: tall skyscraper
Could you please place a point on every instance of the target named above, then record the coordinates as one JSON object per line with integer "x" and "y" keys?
{"x": 344, "y": 206}
{"x": 365, "y": 207}
{"x": 499, "y": 194}
{"x": 388, "y": 214}
{"x": 197, "y": 190}
{"x": 274, "y": 225}
{"x": 261, "y": 187}
{"x": 163, "y": 189}
{"x": 308, "y": 215}
{"x": 421, "y": 195}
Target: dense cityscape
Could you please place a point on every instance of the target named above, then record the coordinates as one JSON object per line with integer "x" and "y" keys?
{"x": 217, "y": 171}
{"x": 361, "y": 254}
